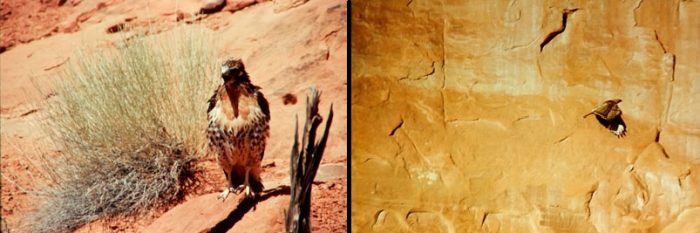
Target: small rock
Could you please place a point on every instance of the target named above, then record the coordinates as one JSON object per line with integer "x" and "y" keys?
{"x": 289, "y": 98}
{"x": 236, "y": 5}
{"x": 70, "y": 27}
{"x": 179, "y": 16}
{"x": 115, "y": 28}
{"x": 212, "y": 6}
{"x": 329, "y": 172}
{"x": 269, "y": 165}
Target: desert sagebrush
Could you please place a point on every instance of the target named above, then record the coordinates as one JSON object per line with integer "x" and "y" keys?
{"x": 130, "y": 122}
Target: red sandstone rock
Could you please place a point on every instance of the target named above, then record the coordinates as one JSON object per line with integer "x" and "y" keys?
{"x": 236, "y": 5}
{"x": 212, "y": 6}
{"x": 274, "y": 45}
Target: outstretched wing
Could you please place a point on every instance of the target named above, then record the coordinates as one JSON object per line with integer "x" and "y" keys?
{"x": 603, "y": 110}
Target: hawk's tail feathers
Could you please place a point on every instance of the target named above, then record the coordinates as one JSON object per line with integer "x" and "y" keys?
{"x": 619, "y": 131}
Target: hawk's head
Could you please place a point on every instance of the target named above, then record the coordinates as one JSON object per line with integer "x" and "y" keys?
{"x": 233, "y": 71}
{"x": 613, "y": 101}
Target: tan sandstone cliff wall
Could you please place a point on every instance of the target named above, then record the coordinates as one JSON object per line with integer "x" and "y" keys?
{"x": 467, "y": 116}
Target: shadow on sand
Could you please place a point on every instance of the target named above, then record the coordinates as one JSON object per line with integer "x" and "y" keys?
{"x": 245, "y": 206}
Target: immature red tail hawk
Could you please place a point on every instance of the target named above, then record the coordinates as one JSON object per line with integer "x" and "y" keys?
{"x": 239, "y": 118}
{"x": 610, "y": 116}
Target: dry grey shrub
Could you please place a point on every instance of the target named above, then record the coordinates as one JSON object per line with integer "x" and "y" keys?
{"x": 130, "y": 125}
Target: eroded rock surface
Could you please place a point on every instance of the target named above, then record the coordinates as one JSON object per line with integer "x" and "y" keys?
{"x": 467, "y": 117}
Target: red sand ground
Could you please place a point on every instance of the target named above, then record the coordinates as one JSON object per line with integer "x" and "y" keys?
{"x": 286, "y": 49}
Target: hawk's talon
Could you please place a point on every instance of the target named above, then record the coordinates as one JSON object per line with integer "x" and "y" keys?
{"x": 248, "y": 193}
{"x": 240, "y": 189}
{"x": 224, "y": 194}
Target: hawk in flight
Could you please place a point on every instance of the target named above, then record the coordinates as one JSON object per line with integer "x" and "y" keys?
{"x": 610, "y": 116}
{"x": 239, "y": 117}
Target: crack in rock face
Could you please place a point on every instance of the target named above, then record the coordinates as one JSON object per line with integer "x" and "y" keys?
{"x": 565, "y": 16}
